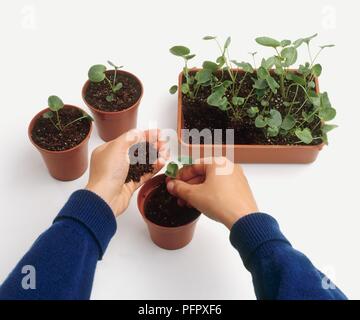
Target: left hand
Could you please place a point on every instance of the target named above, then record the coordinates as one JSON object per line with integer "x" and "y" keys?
{"x": 109, "y": 167}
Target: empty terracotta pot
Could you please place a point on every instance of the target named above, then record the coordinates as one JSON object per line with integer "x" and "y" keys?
{"x": 111, "y": 125}
{"x": 170, "y": 238}
{"x": 68, "y": 164}
{"x": 246, "y": 153}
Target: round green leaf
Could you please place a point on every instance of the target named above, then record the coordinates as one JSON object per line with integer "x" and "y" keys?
{"x": 288, "y": 122}
{"x": 203, "y": 76}
{"x": 260, "y": 122}
{"x": 275, "y": 119}
{"x": 55, "y": 103}
{"x": 97, "y": 73}
{"x": 272, "y": 131}
{"x": 328, "y": 127}
{"x": 304, "y": 135}
{"x": 209, "y": 65}
{"x": 285, "y": 43}
{"x": 290, "y": 55}
{"x": 173, "y": 89}
{"x": 172, "y": 170}
{"x": 48, "y": 115}
{"x": 316, "y": 70}
{"x": 268, "y": 42}
{"x": 238, "y": 101}
{"x": 180, "y": 51}
{"x": 117, "y": 87}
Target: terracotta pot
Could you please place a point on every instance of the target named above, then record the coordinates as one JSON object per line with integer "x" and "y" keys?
{"x": 170, "y": 238}
{"x": 111, "y": 125}
{"x": 68, "y": 164}
{"x": 247, "y": 153}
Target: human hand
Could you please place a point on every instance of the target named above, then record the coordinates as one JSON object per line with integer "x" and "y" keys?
{"x": 222, "y": 197}
{"x": 109, "y": 168}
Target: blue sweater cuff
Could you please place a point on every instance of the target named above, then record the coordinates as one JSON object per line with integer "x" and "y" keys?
{"x": 92, "y": 212}
{"x": 254, "y": 231}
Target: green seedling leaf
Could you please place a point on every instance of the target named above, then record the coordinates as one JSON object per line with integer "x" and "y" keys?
{"x": 220, "y": 61}
{"x": 268, "y": 63}
{"x": 209, "y": 38}
{"x": 172, "y": 170}
{"x": 263, "y": 73}
{"x": 185, "y": 89}
{"x": 272, "y": 84}
{"x": 55, "y": 103}
{"x": 48, "y": 115}
{"x": 173, "y": 89}
{"x": 264, "y": 103}
{"x": 296, "y": 79}
{"x": 209, "y": 65}
{"x": 326, "y": 128}
{"x": 268, "y": 42}
{"x": 290, "y": 55}
{"x": 203, "y": 76}
{"x": 227, "y": 43}
{"x": 327, "y": 46}
{"x": 260, "y": 84}
{"x": 252, "y": 112}
{"x": 97, "y": 73}
{"x": 285, "y": 43}
{"x": 216, "y": 98}
{"x": 110, "y": 97}
{"x": 272, "y": 131}
{"x": 114, "y": 65}
{"x": 304, "y": 135}
{"x": 238, "y": 101}
{"x": 326, "y": 111}
{"x": 275, "y": 119}
{"x": 117, "y": 87}
{"x": 260, "y": 122}
{"x": 180, "y": 51}
{"x": 316, "y": 70}
{"x": 247, "y": 67}
{"x": 190, "y": 56}
{"x": 307, "y": 40}
{"x": 288, "y": 122}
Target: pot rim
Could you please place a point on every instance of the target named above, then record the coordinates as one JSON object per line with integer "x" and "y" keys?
{"x": 92, "y": 108}
{"x": 159, "y": 177}
{"x": 39, "y": 114}
{"x": 236, "y": 146}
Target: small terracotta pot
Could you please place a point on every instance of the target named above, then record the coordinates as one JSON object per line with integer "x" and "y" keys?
{"x": 247, "y": 153}
{"x": 68, "y": 164}
{"x": 111, "y": 125}
{"x": 170, "y": 238}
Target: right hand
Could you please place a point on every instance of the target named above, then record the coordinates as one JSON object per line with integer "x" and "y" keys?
{"x": 222, "y": 197}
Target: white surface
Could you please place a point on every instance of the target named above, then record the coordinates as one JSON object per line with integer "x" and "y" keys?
{"x": 47, "y": 47}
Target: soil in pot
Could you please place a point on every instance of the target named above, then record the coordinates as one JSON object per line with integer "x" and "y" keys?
{"x": 126, "y": 97}
{"x": 162, "y": 209}
{"x": 48, "y": 137}
{"x": 141, "y": 155}
{"x": 199, "y": 115}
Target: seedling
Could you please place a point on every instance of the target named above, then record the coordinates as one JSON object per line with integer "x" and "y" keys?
{"x": 186, "y": 55}
{"x": 173, "y": 168}
{"x": 55, "y": 105}
{"x": 97, "y": 73}
{"x": 281, "y": 101}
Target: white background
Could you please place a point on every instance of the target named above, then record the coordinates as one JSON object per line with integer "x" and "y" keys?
{"x": 47, "y": 47}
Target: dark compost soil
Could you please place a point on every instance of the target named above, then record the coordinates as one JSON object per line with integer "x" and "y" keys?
{"x": 48, "y": 137}
{"x": 162, "y": 209}
{"x": 142, "y": 156}
{"x": 126, "y": 97}
{"x": 197, "y": 114}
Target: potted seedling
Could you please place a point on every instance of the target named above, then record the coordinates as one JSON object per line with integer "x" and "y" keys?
{"x": 170, "y": 226}
{"x": 61, "y": 134}
{"x": 113, "y": 97}
{"x": 276, "y": 111}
